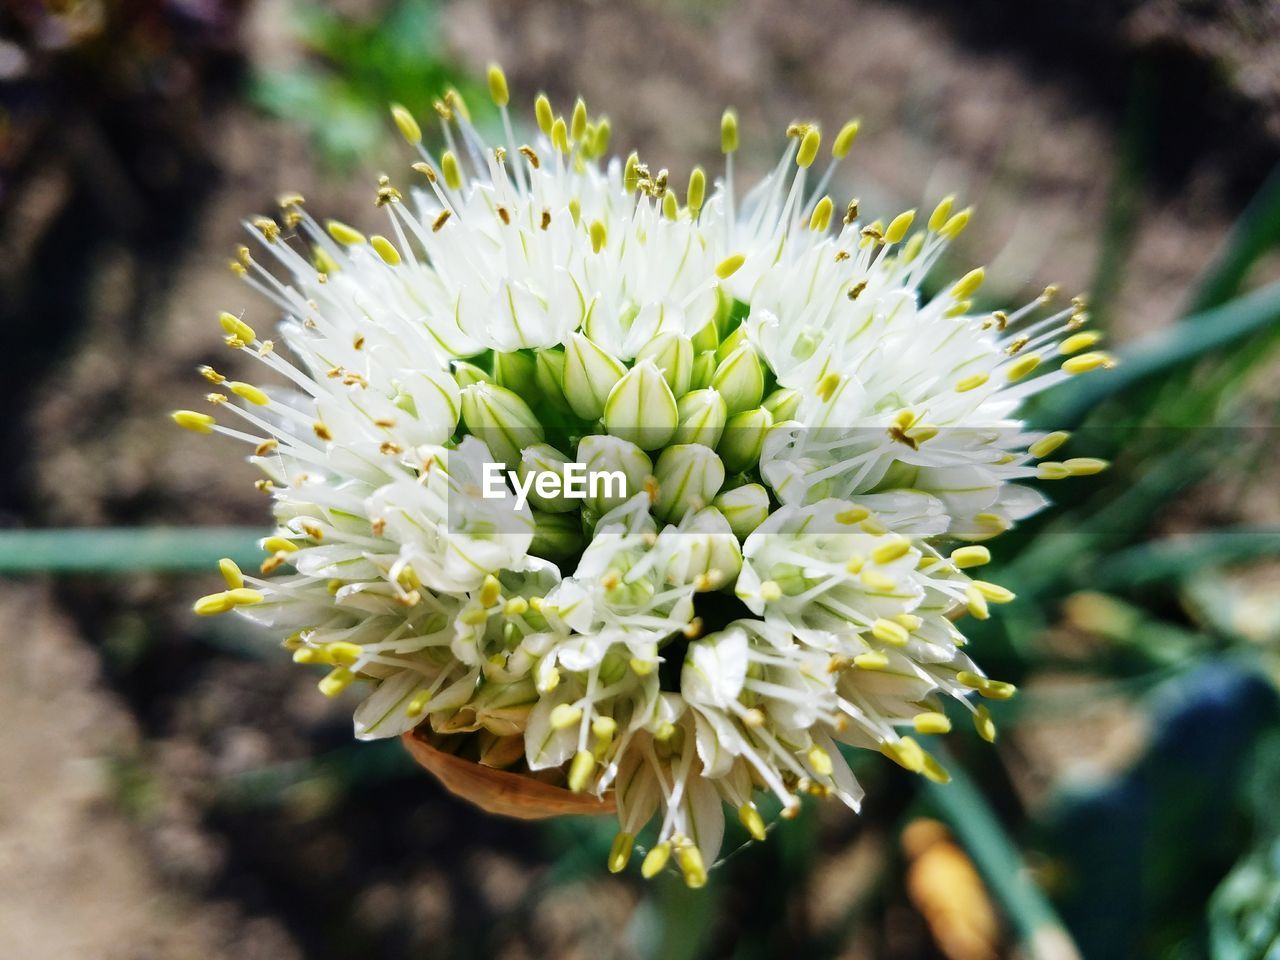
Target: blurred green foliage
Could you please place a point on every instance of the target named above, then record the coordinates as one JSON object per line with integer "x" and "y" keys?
{"x": 354, "y": 69}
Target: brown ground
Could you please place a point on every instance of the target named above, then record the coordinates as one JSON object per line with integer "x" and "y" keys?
{"x": 121, "y": 857}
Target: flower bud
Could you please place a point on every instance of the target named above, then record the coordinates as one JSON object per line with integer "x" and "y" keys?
{"x": 539, "y": 459}
{"x": 745, "y": 507}
{"x": 556, "y": 536}
{"x": 689, "y": 476}
{"x": 673, "y": 355}
{"x": 708, "y": 338}
{"x": 641, "y": 408}
{"x": 732, "y": 342}
{"x": 603, "y": 454}
{"x": 549, "y": 374}
{"x": 740, "y": 379}
{"x": 702, "y": 417}
{"x": 518, "y": 373}
{"x": 501, "y": 419}
{"x": 783, "y": 403}
{"x": 468, "y": 373}
{"x": 704, "y": 368}
{"x": 589, "y": 374}
{"x": 743, "y": 438}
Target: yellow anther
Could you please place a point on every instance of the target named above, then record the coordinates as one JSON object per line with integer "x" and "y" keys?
{"x": 809, "y": 144}
{"x": 578, "y": 121}
{"x": 728, "y": 132}
{"x": 938, "y": 219}
{"x": 886, "y": 631}
{"x": 670, "y": 206}
{"x": 971, "y": 382}
{"x": 854, "y": 514}
{"x": 408, "y": 126}
{"x": 631, "y": 173}
{"x": 385, "y": 249}
{"x": 1088, "y": 361}
{"x": 967, "y": 285}
{"x": 620, "y": 852}
{"x": 490, "y": 591}
{"x": 212, "y": 604}
{"x": 820, "y": 220}
{"x": 321, "y": 430}
{"x": 655, "y": 860}
{"x": 515, "y": 607}
{"x": 997, "y": 690}
{"x": 543, "y": 114}
{"x": 598, "y": 236}
{"x": 1022, "y": 366}
{"x": 580, "y": 770}
{"x": 876, "y": 581}
{"x": 891, "y": 551}
{"x": 603, "y": 729}
{"x": 248, "y": 392}
{"x": 753, "y": 718}
{"x": 441, "y": 219}
{"x": 931, "y": 722}
{"x": 418, "y": 703}
{"x": 1085, "y": 466}
{"x": 727, "y": 267}
{"x": 231, "y": 573}
{"x": 976, "y": 602}
{"x": 600, "y": 146}
{"x": 933, "y": 770}
{"x": 1079, "y": 341}
{"x": 457, "y": 104}
{"x": 971, "y": 556}
{"x": 452, "y": 173}
{"x": 959, "y": 308}
{"x": 690, "y": 860}
{"x": 666, "y": 730}
{"x": 905, "y": 752}
{"x": 697, "y": 190}
{"x": 210, "y": 374}
{"x": 899, "y": 226}
{"x": 565, "y": 715}
{"x": 820, "y": 761}
{"x": 871, "y": 661}
{"x": 912, "y": 248}
{"x": 308, "y": 655}
{"x": 770, "y": 591}
{"x": 344, "y": 653}
{"x": 498, "y": 91}
{"x": 244, "y": 596}
{"x": 278, "y": 545}
{"x": 827, "y": 385}
{"x": 335, "y": 681}
{"x": 994, "y": 592}
{"x": 426, "y": 170}
{"x": 1051, "y": 470}
{"x": 844, "y": 139}
{"x": 560, "y": 135}
{"x": 1048, "y": 443}
{"x": 474, "y": 617}
{"x": 348, "y": 236}
{"x": 953, "y": 227}
{"x": 194, "y": 421}
{"x": 983, "y": 723}
{"x": 235, "y": 327}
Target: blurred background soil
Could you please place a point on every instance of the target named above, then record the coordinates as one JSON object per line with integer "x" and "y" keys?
{"x": 1108, "y": 147}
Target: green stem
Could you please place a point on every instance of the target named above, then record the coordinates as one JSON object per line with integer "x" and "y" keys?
{"x": 126, "y": 550}
{"x": 975, "y": 825}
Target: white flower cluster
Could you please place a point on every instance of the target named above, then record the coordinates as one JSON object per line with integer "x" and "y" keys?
{"x": 803, "y": 433}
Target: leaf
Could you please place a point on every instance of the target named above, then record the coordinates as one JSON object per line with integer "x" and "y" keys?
{"x": 125, "y": 550}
